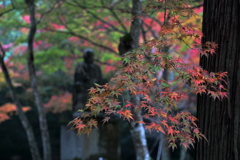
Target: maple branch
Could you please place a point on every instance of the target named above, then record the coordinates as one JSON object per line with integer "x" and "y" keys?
{"x": 152, "y": 31}
{"x": 117, "y": 18}
{"x": 126, "y": 9}
{"x": 181, "y": 39}
{"x": 9, "y": 10}
{"x": 165, "y": 15}
{"x": 6, "y": 11}
{"x": 97, "y": 17}
{"x": 123, "y": 10}
{"x": 149, "y": 27}
{"x": 85, "y": 38}
{"x": 144, "y": 34}
{"x": 71, "y": 32}
{"x": 119, "y": 21}
{"x": 156, "y": 20}
{"x": 3, "y": 53}
{"x": 48, "y": 11}
{"x": 180, "y": 8}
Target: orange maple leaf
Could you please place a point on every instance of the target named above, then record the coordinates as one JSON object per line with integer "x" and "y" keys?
{"x": 80, "y": 127}
{"x": 92, "y": 123}
{"x": 126, "y": 114}
{"x": 106, "y": 119}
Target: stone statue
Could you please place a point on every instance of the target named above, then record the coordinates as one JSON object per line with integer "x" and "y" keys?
{"x": 86, "y": 74}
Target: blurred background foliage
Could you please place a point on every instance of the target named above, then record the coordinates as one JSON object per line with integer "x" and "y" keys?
{"x": 65, "y": 29}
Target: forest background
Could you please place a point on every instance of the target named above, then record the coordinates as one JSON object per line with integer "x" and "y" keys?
{"x": 64, "y": 30}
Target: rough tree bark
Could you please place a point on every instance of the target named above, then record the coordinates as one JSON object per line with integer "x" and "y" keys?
{"x": 33, "y": 80}
{"x": 219, "y": 120}
{"x": 137, "y": 129}
{"x": 26, "y": 125}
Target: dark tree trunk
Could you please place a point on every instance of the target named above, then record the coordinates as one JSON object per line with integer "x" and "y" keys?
{"x": 137, "y": 129}
{"x": 26, "y": 125}
{"x": 33, "y": 80}
{"x": 219, "y": 120}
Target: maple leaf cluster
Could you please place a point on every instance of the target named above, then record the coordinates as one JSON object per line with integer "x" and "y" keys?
{"x": 158, "y": 97}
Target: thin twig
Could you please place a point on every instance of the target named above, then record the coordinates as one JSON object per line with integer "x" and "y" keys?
{"x": 144, "y": 34}
{"x": 9, "y": 10}
{"x": 48, "y": 11}
{"x": 3, "y": 52}
{"x": 84, "y": 38}
{"x": 117, "y": 18}
{"x": 96, "y": 17}
{"x": 87, "y": 39}
{"x": 152, "y": 31}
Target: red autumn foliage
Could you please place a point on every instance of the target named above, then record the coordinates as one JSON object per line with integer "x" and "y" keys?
{"x": 142, "y": 76}
{"x": 59, "y": 103}
{"x": 8, "y": 109}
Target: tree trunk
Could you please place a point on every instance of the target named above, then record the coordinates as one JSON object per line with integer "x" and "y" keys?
{"x": 33, "y": 80}
{"x": 219, "y": 120}
{"x": 137, "y": 129}
{"x": 26, "y": 125}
